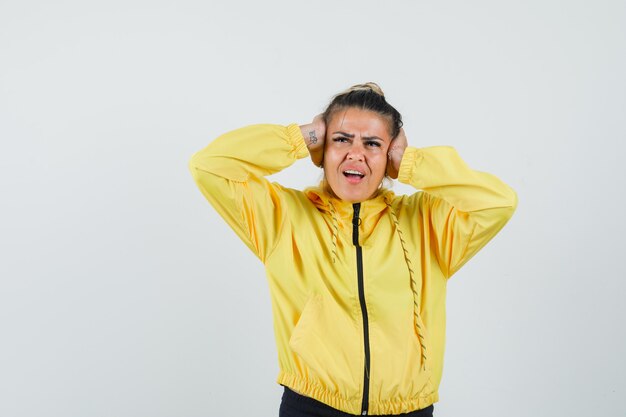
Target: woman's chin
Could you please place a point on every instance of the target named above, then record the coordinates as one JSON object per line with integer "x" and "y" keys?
{"x": 353, "y": 195}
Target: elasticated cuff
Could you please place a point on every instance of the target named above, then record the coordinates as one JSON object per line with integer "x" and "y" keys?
{"x": 409, "y": 159}
{"x": 297, "y": 140}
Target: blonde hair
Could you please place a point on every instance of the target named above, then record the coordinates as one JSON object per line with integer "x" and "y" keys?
{"x": 366, "y": 96}
{"x": 366, "y": 86}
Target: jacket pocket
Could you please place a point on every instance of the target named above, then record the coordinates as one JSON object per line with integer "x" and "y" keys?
{"x": 328, "y": 342}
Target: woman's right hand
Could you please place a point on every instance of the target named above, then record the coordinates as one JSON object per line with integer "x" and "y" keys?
{"x": 314, "y": 135}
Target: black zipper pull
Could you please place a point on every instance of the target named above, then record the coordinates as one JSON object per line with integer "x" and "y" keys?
{"x": 356, "y": 221}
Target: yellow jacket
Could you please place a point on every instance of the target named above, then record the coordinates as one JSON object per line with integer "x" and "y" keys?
{"x": 358, "y": 305}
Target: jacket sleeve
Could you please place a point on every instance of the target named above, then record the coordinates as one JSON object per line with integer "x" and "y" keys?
{"x": 230, "y": 173}
{"x": 464, "y": 208}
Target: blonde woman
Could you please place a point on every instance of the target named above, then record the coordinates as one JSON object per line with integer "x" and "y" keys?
{"x": 357, "y": 275}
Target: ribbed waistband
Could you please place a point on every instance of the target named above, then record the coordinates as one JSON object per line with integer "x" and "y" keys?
{"x": 296, "y": 405}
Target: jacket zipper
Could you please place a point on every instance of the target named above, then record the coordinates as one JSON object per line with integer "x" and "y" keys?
{"x": 359, "y": 267}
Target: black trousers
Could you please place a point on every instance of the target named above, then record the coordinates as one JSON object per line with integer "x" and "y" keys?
{"x": 296, "y": 405}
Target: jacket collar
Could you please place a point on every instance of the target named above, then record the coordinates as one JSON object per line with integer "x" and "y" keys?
{"x": 326, "y": 202}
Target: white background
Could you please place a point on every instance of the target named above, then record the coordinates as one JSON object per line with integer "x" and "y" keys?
{"x": 122, "y": 293}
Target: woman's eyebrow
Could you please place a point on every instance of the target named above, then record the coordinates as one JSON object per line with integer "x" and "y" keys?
{"x": 363, "y": 138}
{"x": 371, "y": 138}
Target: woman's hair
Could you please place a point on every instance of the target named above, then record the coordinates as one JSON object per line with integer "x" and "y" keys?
{"x": 368, "y": 96}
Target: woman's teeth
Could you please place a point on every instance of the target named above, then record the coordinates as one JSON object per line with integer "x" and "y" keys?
{"x": 353, "y": 172}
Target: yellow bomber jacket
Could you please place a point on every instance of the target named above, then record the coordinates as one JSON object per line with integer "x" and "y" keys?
{"x": 358, "y": 300}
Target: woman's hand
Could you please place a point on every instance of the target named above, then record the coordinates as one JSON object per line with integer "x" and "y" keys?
{"x": 314, "y": 135}
{"x": 395, "y": 154}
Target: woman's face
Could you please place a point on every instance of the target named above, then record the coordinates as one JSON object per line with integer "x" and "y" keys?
{"x": 355, "y": 153}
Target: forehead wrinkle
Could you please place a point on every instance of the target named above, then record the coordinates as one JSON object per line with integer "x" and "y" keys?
{"x": 359, "y": 131}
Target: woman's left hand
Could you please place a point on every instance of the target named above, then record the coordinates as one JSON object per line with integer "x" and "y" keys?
{"x": 395, "y": 154}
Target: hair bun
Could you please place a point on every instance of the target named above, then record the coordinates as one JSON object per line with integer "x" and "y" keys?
{"x": 367, "y": 86}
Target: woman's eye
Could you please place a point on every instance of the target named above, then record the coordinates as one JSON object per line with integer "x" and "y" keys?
{"x": 373, "y": 144}
{"x": 340, "y": 139}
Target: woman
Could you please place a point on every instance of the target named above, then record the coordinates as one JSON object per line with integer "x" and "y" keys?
{"x": 357, "y": 275}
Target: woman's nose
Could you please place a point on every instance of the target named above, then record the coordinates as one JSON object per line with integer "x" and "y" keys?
{"x": 356, "y": 153}
{"x": 355, "y": 156}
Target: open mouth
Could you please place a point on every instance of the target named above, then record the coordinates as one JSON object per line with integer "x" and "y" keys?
{"x": 353, "y": 175}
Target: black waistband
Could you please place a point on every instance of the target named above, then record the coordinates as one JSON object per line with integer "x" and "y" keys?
{"x": 296, "y": 405}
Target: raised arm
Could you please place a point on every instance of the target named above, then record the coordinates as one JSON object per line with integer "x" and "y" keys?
{"x": 230, "y": 173}
{"x": 464, "y": 208}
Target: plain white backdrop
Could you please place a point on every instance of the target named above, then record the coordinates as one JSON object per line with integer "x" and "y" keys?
{"x": 122, "y": 293}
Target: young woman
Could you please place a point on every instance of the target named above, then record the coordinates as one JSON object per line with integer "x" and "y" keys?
{"x": 357, "y": 275}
